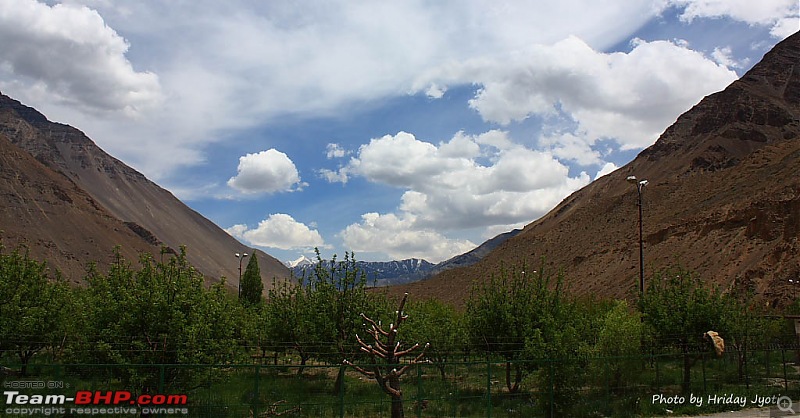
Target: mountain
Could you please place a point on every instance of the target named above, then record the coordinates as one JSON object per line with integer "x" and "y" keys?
{"x": 722, "y": 200}
{"x": 103, "y": 202}
{"x": 379, "y": 273}
{"x": 472, "y": 257}
{"x": 301, "y": 262}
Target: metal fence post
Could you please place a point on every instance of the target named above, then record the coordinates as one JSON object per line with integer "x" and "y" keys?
{"x": 783, "y": 360}
{"x": 257, "y": 393}
{"x": 419, "y": 391}
{"x": 552, "y": 390}
{"x": 488, "y": 388}
{"x": 341, "y": 394}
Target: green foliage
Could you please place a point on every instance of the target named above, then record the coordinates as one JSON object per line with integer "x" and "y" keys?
{"x": 35, "y": 310}
{"x": 158, "y": 314}
{"x": 252, "y": 286}
{"x": 521, "y": 316}
{"x": 440, "y": 325}
{"x": 678, "y": 309}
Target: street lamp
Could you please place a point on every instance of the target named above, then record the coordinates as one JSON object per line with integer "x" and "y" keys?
{"x": 240, "y": 257}
{"x": 639, "y": 185}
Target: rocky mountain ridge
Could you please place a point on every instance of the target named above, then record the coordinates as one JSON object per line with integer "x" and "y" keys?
{"x": 141, "y": 215}
{"x": 723, "y": 200}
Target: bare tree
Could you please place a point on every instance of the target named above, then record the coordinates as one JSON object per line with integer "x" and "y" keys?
{"x": 386, "y": 355}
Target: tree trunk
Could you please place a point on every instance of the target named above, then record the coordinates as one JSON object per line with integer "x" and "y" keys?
{"x": 513, "y": 387}
{"x": 338, "y": 386}
{"x": 397, "y": 401}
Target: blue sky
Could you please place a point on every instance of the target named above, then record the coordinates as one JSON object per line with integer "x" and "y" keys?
{"x": 393, "y": 129}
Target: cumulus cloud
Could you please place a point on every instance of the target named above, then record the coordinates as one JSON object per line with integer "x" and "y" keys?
{"x": 67, "y": 53}
{"x": 780, "y": 15}
{"x": 266, "y": 172}
{"x": 399, "y": 238}
{"x": 279, "y": 230}
{"x": 467, "y": 182}
{"x": 70, "y": 61}
{"x": 334, "y": 151}
{"x": 606, "y": 169}
{"x": 628, "y": 97}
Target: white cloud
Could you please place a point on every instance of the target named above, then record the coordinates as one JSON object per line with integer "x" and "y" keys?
{"x": 435, "y": 91}
{"x": 778, "y": 14}
{"x": 606, "y": 169}
{"x": 334, "y": 151}
{"x": 67, "y": 54}
{"x": 401, "y": 239}
{"x": 723, "y": 56}
{"x": 449, "y": 190}
{"x": 266, "y": 172}
{"x": 176, "y": 70}
{"x": 628, "y": 97}
{"x": 279, "y": 231}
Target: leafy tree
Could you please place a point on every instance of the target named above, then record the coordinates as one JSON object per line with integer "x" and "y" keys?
{"x": 158, "y": 314}
{"x": 618, "y": 345}
{"x": 440, "y": 325}
{"x": 35, "y": 310}
{"x": 336, "y": 295}
{"x": 288, "y": 321}
{"x": 678, "y": 309}
{"x": 252, "y": 286}
{"x": 507, "y": 312}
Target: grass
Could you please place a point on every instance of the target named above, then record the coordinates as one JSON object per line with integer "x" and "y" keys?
{"x": 233, "y": 391}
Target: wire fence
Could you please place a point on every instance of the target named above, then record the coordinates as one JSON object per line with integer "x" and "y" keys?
{"x": 644, "y": 385}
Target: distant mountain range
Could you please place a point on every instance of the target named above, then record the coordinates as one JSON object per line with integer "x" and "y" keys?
{"x": 387, "y": 273}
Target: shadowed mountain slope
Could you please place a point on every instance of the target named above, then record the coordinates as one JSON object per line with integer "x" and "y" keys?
{"x": 723, "y": 200}
{"x": 119, "y": 192}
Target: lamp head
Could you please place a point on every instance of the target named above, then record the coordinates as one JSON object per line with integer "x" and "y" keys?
{"x": 631, "y": 179}
{"x": 641, "y": 183}
{"x": 237, "y": 255}
{"x": 244, "y": 255}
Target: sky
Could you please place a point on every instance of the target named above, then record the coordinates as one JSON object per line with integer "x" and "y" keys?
{"x": 392, "y": 129}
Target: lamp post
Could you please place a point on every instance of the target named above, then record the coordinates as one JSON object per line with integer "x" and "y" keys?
{"x": 240, "y": 257}
{"x": 639, "y": 185}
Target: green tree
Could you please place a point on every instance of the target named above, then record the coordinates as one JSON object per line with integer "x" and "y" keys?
{"x": 678, "y": 308}
{"x": 618, "y": 345}
{"x": 159, "y": 314}
{"x": 440, "y": 325}
{"x": 252, "y": 286}
{"x": 288, "y": 321}
{"x": 337, "y": 297}
{"x": 507, "y": 315}
{"x": 35, "y": 310}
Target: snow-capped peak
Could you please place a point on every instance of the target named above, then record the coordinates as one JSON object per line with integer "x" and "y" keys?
{"x": 302, "y": 261}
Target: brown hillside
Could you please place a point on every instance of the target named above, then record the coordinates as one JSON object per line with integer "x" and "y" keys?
{"x": 143, "y": 207}
{"x": 55, "y": 219}
{"x": 723, "y": 200}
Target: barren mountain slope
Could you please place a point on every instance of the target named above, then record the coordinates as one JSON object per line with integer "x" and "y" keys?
{"x": 723, "y": 200}
{"x": 55, "y": 219}
{"x": 127, "y": 195}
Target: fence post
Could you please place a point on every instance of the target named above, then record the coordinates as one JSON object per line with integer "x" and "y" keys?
{"x": 257, "y": 393}
{"x": 341, "y": 395}
{"x": 703, "y": 363}
{"x": 161, "y": 379}
{"x": 419, "y": 391}
{"x": 783, "y": 360}
{"x": 488, "y": 387}
{"x": 552, "y": 390}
